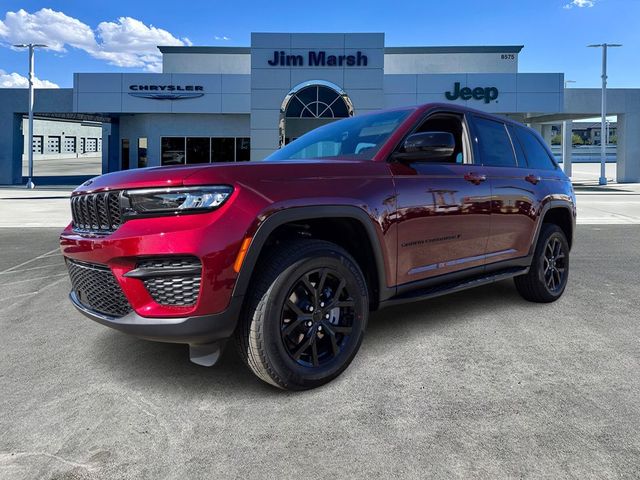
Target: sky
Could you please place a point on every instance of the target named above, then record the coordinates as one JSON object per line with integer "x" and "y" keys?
{"x": 121, "y": 36}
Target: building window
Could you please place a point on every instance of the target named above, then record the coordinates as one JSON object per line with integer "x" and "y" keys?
{"x": 99, "y": 144}
{"x": 223, "y": 149}
{"x": 317, "y": 101}
{"x": 83, "y": 142}
{"x": 37, "y": 144}
{"x": 124, "y": 151}
{"x": 142, "y": 152}
{"x": 198, "y": 150}
{"x": 69, "y": 144}
{"x": 194, "y": 150}
{"x": 53, "y": 144}
{"x": 172, "y": 150}
{"x": 310, "y": 105}
{"x": 243, "y": 149}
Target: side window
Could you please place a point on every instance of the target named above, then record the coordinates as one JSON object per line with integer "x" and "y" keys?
{"x": 520, "y": 156}
{"x": 452, "y": 124}
{"x": 494, "y": 143}
{"x": 537, "y": 155}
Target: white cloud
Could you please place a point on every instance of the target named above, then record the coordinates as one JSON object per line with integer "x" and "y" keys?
{"x": 223, "y": 38}
{"x": 127, "y": 42}
{"x": 15, "y": 80}
{"x": 580, "y": 3}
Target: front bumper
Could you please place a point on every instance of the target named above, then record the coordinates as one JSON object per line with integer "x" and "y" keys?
{"x": 193, "y": 330}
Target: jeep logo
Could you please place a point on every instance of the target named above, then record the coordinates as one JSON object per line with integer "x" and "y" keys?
{"x": 479, "y": 93}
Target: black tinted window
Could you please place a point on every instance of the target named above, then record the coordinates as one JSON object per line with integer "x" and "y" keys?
{"x": 537, "y": 156}
{"x": 520, "y": 156}
{"x": 494, "y": 143}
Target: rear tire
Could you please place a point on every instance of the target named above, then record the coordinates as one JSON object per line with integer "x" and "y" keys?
{"x": 304, "y": 315}
{"x": 549, "y": 272}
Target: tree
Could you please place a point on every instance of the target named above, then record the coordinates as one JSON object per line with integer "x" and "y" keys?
{"x": 556, "y": 140}
{"x": 576, "y": 139}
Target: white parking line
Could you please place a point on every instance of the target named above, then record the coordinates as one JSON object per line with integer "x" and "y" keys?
{"x": 12, "y": 269}
{"x": 32, "y": 279}
{"x": 7, "y": 299}
{"x": 31, "y": 268}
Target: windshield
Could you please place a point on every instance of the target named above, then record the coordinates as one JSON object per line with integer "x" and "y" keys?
{"x": 357, "y": 137}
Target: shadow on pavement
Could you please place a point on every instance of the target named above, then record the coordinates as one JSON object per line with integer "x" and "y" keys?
{"x": 165, "y": 364}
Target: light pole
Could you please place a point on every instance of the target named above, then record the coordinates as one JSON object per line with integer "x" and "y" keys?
{"x": 31, "y": 47}
{"x": 603, "y": 146}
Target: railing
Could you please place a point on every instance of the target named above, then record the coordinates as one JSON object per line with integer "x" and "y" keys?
{"x": 586, "y": 153}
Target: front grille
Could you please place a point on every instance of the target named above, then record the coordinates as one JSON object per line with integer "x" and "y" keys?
{"x": 96, "y": 288}
{"x": 175, "y": 290}
{"x": 96, "y": 212}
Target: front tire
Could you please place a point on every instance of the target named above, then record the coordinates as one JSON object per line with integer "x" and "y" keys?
{"x": 304, "y": 316}
{"x": 549, "y": 272}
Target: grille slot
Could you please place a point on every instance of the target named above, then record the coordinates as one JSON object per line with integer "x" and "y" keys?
{"x": 96, "y": 288}
{"x": 174, "y": 290}
{"x": 96, "y": 212}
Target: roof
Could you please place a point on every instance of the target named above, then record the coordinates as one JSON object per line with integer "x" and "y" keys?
{"x": 392, "y": 50}
{"x": 456, "y": 49}
{"x": 223, "y": 50}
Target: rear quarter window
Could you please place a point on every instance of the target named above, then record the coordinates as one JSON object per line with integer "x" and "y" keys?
{"x": 494, "y": 143}
{"x": 537, "y": 156}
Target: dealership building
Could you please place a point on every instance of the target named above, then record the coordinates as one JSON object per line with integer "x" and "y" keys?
{"x": 221, "y": 104}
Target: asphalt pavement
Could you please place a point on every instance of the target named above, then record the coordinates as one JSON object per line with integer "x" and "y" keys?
{"x": 480, "y": 384}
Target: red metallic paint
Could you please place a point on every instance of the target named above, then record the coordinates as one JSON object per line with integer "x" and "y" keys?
{"x": 405, "y": 203}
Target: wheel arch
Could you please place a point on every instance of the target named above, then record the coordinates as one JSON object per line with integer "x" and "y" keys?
{"x": 558, "y": 212}
{"x": 354, "y": 217}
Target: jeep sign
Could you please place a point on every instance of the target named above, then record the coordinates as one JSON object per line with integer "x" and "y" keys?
{"x": 479, "y": 93}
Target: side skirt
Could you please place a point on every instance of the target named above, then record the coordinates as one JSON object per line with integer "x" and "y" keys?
{"x": 418, "y": 294}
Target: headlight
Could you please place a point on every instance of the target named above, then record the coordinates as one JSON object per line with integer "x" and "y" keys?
{"x": 167, "y": 201}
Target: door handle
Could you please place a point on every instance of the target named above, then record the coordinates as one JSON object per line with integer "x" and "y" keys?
{"x": 475, "y": 178}
{"x": 531, "y": 178}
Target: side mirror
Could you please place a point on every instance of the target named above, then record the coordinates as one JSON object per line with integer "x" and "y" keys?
{"x": 426, "y": 147}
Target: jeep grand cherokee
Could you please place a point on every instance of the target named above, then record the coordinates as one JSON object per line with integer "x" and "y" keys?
{"x": 288, "y": 256}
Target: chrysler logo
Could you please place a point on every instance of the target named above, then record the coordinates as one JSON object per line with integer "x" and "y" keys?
{"x": 166, "y": 92}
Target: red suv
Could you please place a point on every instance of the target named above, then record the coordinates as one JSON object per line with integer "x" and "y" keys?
{"x": 290, "y": 254}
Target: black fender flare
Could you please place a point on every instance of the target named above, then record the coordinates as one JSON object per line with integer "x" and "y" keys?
{"x": 554, "y": 204}
{"x": 293, "y": 214}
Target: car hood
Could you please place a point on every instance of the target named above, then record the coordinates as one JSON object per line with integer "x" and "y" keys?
{"x": 221, "y": 173}
{"x": 140, "y": 178}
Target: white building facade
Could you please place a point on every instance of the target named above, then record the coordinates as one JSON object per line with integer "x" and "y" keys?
{"x": 215, "y": 104}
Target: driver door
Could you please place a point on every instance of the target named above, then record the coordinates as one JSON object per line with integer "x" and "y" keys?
{"x": 443, "y": 207}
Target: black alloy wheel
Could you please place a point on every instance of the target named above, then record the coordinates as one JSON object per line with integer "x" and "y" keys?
{"x": 554, "y": 264}
{"x": 549, "y": 272}
{"x": 317, "y": 318}
{"x": 305, "y": 314}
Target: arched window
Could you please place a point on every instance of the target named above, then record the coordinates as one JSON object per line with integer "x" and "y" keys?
{"x": 310, "y": 105}
{"x": 317, "y": 101}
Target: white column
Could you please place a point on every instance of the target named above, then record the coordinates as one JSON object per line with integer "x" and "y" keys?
{"x": 537, "y": 127}
{"x": 547, "y": 133}
{"x": 567, "y": 134}
{"x": 628, "y": 163}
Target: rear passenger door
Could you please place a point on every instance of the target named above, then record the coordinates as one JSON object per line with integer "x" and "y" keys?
{"x": 514, "y": 195}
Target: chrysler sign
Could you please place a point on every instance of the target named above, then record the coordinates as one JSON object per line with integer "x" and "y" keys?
{"x": 166, "y": 92}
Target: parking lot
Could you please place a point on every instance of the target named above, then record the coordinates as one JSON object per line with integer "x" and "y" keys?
{"x": 478, "y": 384}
